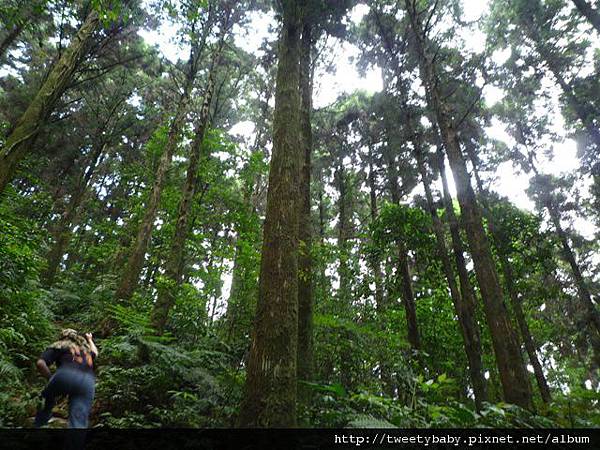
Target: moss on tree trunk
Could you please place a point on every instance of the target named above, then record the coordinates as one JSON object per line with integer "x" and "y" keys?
{"x": 270, "y": 392}
{"x": 21, "y": 139}
{"x": 305, "y": 276}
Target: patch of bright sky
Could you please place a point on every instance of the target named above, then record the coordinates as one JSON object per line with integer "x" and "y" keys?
{"x": 164, "y": 37}
{"x": 250, "y": 38}
{"x": 345, "y": 79}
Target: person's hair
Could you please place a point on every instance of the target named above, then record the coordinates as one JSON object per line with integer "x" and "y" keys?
{"x": 70, "y": 340}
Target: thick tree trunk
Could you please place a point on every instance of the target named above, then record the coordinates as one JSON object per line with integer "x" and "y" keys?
{"x": 590, "y": 13}
{"x": 466, "y": 314}
{"x": 513, "y": 375}
{"x": 344, "y": 290}
{"x": 175, "y": 259}
{"x": 270, "y": 392}
{"x": 305, "y": 269}
{"x": 20, "y": 140}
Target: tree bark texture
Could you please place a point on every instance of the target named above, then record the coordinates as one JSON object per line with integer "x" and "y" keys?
{"x": 305, "y": 269}
{"x": 270, "y": 392}
{"x": 21, "y": 139}
{"x": 466, "y": 314}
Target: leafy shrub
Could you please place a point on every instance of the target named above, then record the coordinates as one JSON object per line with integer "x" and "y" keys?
{"x": 25, "y": 324}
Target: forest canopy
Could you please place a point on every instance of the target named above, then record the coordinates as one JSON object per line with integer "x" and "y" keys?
{"x": 306, "y": 213}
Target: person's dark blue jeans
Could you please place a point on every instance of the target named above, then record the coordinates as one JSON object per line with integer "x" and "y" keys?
{"x": 79, "y": 386}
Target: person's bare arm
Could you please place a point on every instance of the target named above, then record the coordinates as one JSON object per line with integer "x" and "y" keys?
{"x": 42, "y": 367}
{"x": 93, "y": 348}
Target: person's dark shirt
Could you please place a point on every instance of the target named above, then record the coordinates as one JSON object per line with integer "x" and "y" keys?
{"x": 65, "y": 359}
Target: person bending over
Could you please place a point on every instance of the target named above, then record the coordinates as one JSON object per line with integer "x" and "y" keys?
{"x": 74, "y": 356}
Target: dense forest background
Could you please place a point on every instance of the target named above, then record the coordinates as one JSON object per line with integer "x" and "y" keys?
{"x": 249, "y": 251}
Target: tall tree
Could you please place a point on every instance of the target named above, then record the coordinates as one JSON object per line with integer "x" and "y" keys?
{"x": 509, "y": 280}
{"x": 513, "y": 375}
{"x": 270, "y": 391}
{"x": 465, "y": 311}
{"x": 137, "y": 250}
{"x": 305, "y": 265}
{"x": 530, "y": 131}
{"x": 175, "y": 258}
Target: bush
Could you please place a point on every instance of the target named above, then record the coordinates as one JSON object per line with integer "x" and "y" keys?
{"x": 25, "y": 318}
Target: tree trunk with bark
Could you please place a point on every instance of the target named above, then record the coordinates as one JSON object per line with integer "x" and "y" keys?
{"x": 513, "y": 375}
{"x": 305, "y": 269}
{"x": 509, "y": 281}
{"x": 467, "y": 291}
{"x": 527, "y": 337}
{"x": 270, "y": 392}
{"x": 20, "y": 140}
{"x": 465, "y": 312}
{"x": 175, "y": 259}
{"x": 131, "y": 273}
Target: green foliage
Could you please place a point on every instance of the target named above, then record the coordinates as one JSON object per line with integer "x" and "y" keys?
{"x": 124, "y": 96}
{"x": 24, "y": 318}
{"x": 402, "y": 223}
{"x": 144, "y": 383}
{"x": 429, "y": 408}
